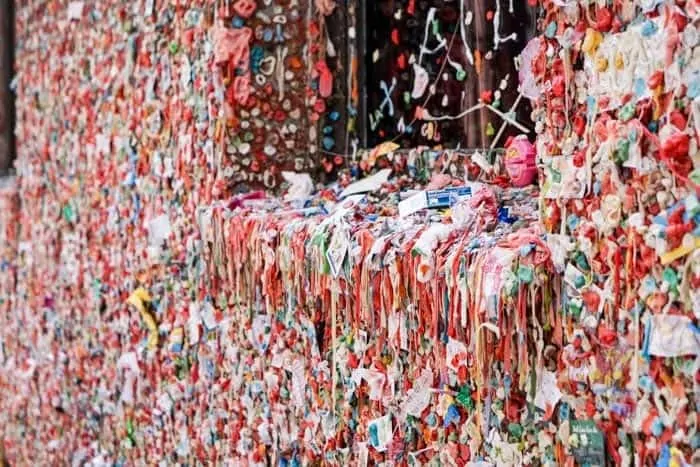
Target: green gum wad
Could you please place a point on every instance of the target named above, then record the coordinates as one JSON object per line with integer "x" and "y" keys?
{"x": 490, "y": 130}
{"x": 622, "y": 153}
{"x": 525, "y": 274}
{"x": 575, "y": 309}
{"x": 68, "y": 213}
{"x": 516, "y": 430}
{"x": 464, "y": 398}
{"x": 582, "y": 262}
{"x": 512, "y": 285}
{"x": 671, "y": 277}
{"x": 626, "y": 112}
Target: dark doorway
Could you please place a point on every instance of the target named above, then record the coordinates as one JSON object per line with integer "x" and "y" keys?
{"x": 464, "y": 50}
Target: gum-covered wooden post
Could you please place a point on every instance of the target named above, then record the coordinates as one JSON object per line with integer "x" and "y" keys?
{"x": 6, "y": 98}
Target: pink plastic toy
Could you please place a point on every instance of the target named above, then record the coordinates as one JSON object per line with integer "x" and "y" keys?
{"x": 520, "y": 161}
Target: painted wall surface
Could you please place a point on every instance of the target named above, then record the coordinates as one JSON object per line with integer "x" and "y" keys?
{"x": 130, "y": 116}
